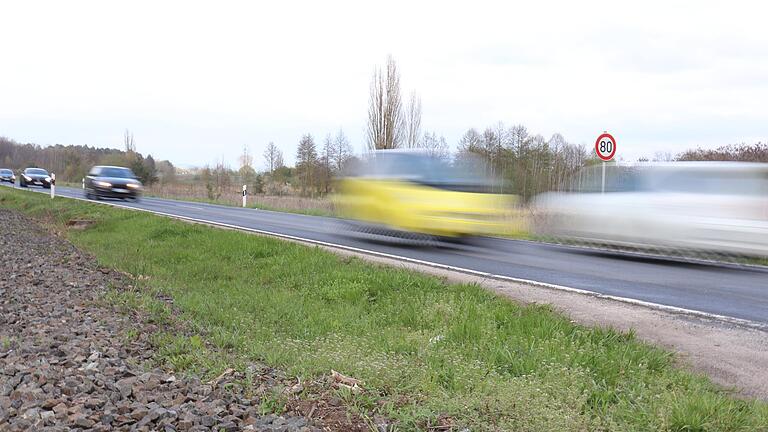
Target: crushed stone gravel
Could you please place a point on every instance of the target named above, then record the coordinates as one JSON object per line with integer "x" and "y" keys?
{"x": 64, "y": 364}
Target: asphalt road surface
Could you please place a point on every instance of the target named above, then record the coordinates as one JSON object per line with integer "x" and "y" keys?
{"x": 731, "y": 291}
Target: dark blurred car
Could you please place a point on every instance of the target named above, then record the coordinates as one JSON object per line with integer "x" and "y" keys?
{"x": 35, "y": 177}
{"x": 112, "y": 182}
{"x": 7, "y": 175}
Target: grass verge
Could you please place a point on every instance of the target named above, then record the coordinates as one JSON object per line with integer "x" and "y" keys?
{"x": 429, "y": 353}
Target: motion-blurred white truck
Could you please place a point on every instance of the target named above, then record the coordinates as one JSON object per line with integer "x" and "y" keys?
{"x": 718, "y": 207}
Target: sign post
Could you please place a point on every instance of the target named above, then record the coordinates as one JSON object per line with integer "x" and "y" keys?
{"x": 53, "y": 185}
{"x": 245, "y": 193}
{"x": 605, "y": 148}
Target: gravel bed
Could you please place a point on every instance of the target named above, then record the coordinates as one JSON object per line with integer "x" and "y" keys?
{"x": 65, "y": 363}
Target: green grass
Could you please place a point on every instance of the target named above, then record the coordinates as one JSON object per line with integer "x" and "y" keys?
{"x": 424, "y": 348}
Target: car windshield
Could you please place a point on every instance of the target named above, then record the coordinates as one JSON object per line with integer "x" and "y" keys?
{"x": 37, "y": 171}
{"x": 6, "y": 171}
{"x": 466, "y": 173}
{"x": 116, "y": 172}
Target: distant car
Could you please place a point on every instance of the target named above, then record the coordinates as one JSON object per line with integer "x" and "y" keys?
{"x": 35, "y": 177}
{"x": 112, "y": 182}
{"x": 7, "y": 175}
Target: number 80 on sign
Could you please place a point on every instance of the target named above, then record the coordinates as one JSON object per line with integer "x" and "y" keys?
{"x": 605, "y": 147}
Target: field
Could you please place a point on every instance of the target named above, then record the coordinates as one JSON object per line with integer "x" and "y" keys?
{"x": 191, "y": 191}
{"x": 430, "y": 354}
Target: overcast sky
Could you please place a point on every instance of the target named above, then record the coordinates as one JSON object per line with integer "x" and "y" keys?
{"x": 196, "y": 82}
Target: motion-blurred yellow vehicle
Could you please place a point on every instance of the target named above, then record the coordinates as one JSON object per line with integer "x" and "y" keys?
{"x": 410, "y": 191}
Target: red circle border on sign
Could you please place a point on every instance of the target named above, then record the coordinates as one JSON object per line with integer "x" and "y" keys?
{"x": 597, "y": 146}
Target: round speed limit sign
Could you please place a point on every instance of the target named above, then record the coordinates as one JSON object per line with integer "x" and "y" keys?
{"x": 605, "y": 147}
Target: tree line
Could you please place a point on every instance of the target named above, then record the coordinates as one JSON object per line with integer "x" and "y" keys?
{"x": 72, "y": 162}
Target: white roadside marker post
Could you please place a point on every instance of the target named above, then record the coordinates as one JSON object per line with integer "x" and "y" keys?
{"x": 83, "y": 181}
{"x": 245, "y": 193}
{"x": 53, "y": 185}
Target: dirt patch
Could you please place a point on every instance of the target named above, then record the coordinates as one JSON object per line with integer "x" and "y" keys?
{"x": 79, "y": 224}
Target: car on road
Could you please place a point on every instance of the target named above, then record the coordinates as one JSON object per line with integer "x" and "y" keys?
{"x": 677, "y": 207}
{"x": 7, "y": 175}
{"x": 396, "y": 192}
{"x": 112, "y": 182}
{"x": 35, "y": 177}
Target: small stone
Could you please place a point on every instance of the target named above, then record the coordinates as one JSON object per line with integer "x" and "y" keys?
{"x": 83, "y": 421}
{"x": 49, "y": 404}
{"x": 60, "y": 408}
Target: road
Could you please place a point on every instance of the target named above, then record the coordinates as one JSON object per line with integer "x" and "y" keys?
{"x": 728, "y": 291}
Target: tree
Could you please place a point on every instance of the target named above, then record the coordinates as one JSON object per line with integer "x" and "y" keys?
{"x": 342, "y": 152}
{"x": 130, "y": 147}
{"x": 743, "y": 152}
{"x": 246, "y": 171}
{"x": 166, "y": 172}
{"x": 273, "y": 156}
{"x": 435, "y": 146}
{"x": 306, "y": 163}
{"x": 471, "y": 142}
{"x": 385, "y": 111}
{"x": 413, "y": 122}
{"x": 326, "y": 171}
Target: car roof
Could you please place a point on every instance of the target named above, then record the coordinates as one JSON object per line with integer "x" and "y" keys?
{"x": 697, "y": 165}
{"x": 111, "y": 166}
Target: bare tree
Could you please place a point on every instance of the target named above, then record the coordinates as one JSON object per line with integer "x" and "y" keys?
{"x": 342, "y": 151}
{"x": 385, "y": 111}
{"x": 413, "y": 121}
{"x": 325, "y": 173}
{"x": 471, "y": 141}
{"x": 130, "y": 147}
{"x": 273, "y": 156}
{"x": 246, "y": 171}
{"x": 435, "y": 146}
{"x": 246, "y": 159}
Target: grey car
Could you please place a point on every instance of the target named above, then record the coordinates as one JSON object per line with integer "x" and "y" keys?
{"x": 7, "y": 175}
{"x": 112, "y": 182}
{"x": 35, "y": 177}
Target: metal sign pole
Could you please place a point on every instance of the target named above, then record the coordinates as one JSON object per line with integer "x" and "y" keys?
{"x": 603, "y": 188}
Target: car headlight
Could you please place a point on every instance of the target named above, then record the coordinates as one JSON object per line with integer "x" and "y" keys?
{"x": 47, "y": 179}
{"x": 133, "y": 186}
{"x": 102, "y": 183}
{"x": 26, "y": 177}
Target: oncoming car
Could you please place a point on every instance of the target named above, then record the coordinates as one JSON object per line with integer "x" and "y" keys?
{"x": 35, "y": 177}
{"x": 7, "y": 175}
{"x": 112, "y": 182}
{"x": 409, "y": 191}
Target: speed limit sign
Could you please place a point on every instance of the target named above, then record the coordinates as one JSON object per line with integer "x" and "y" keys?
{"x": 605, "y": 147}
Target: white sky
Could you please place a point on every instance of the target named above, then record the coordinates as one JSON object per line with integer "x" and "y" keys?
{"x": 195, "y": 82}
